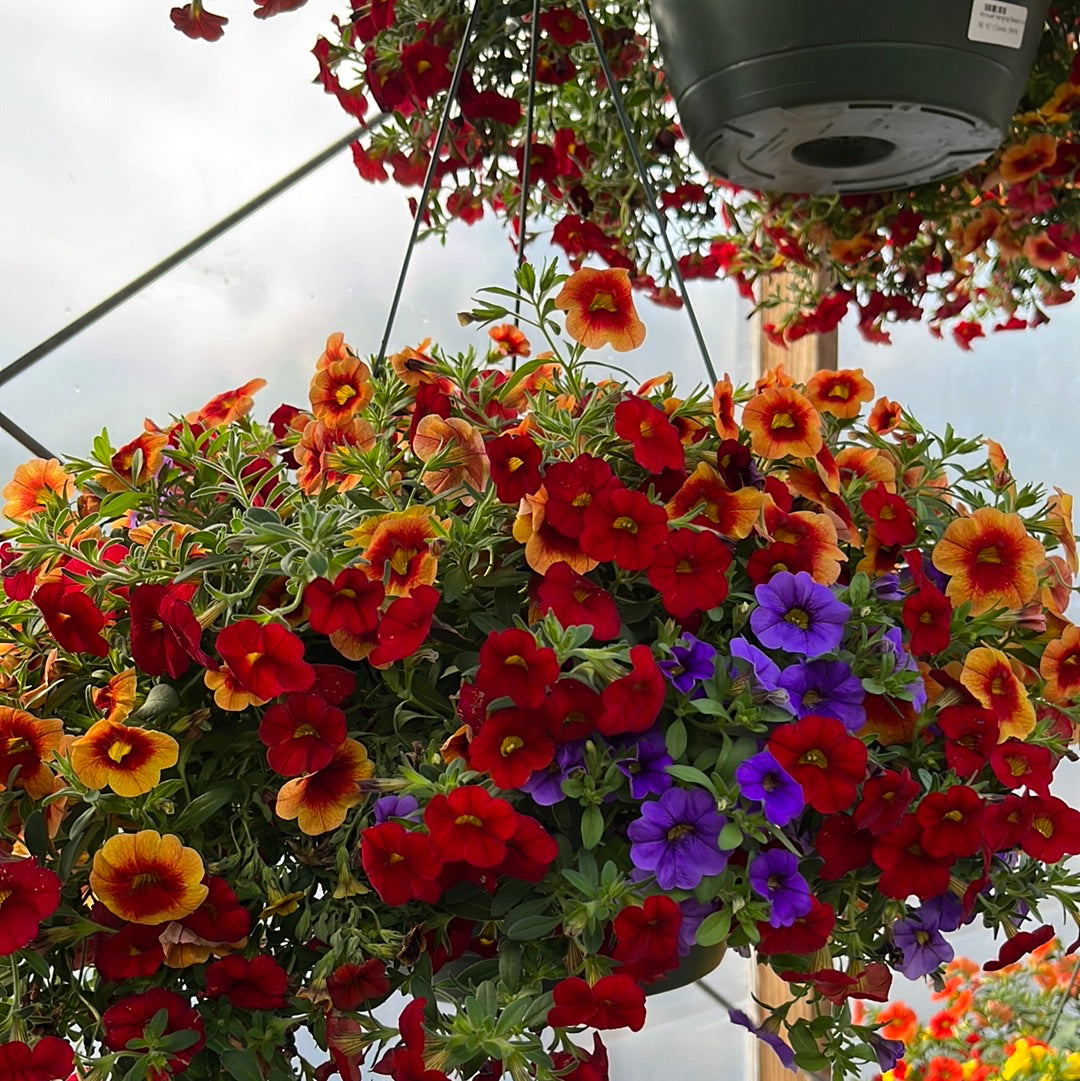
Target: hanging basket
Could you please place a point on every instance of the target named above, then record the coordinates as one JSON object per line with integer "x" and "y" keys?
{"x": 696, "y": 965}
{"x": 845, "y": 96}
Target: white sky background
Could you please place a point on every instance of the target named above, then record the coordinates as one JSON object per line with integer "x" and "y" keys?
{"x": 122, "y": 139}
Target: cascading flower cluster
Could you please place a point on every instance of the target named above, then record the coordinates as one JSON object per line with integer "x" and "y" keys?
{"x": 485, "y": 698}
{"x": 1018, "y": 1023}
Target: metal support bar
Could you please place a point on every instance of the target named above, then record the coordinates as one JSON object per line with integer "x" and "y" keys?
{"x": 24, "y": 437}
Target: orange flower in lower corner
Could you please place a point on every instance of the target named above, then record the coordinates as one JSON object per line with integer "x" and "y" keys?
{"x": 128, "y": 760}
{"x": 145, "y": 877}
{"x": 991, "y": 560}
{"x": 33, "y": 485}
{"x": 600, "y": 309}
{"x": 782, "y": 423}
{"x": 1060, "y": 666}
{"x": 1020, "y": 163}
{"x": 28, "y": 742}
{"x": 320, "y": 800}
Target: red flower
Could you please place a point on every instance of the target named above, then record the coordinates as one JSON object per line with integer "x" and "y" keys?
{"x": 406, "y": 1062}
{"x": 873, "y": 982}
{"x": 50, "y": 1059}
{"x": 585, "y": 1066}
{"x": 690, "y": 572}
{"x": 350, "y": 603}
{"x": 512, "y": 664}
{"x": 256, "y": 984}
{"x": 577, "y": 602}
{"x": 265, "y": 8}
{"x": 826, "y": 760}
{"x": 73, "y": 619}
{"x": 564, "y": 26}
{"x": 530, "y": 851}
{"x": 127, "y": 1021}
{"x": 515, "y": 466}
{"x": 894, "y": 519}
{"x": 647, "y": 937}
{"x": 655, "y": 439}
{"x": 511, "y": 745}
{"x": 1054, "y": 831}
{"x": 806, "y": 935}
{"x": 266, "y": 659}
{"x": 333, "y": 684}
{"x": 471, "y": 825}
{"x": 1016, "y": 763}
{"x": 425, "y": 66}
{"x": 971, "y": 734}
{"x": 624, "y": 526}
{"x": 1007, "y": 823}
{"x": 350, "y": 986}
{"x": 778, "y": 556}
{"x": 320, "y": 801}
{"x": 951, "y": 822}
{"x": 220, "y": 918}
{"x": 133, "y": 952}
{"x": 885, "y": 799}
{"x": 401, "y": 864}
{"x": 571, "y": 488}
{"x": 842, "y": 845}
{"x": 573, "y": 710}
{"x": 632, "y": 703}
{"x": 301, "y": 734}
{"x": 613, "y": 1002}
{"x": 927, "y": 615}
{"x": 404, "y": 626}
{"x": 28, "y": 895}
{"x": 905, "y": 865}
{"x": 1012, "y": 949}
{"x": 195, "y": 21}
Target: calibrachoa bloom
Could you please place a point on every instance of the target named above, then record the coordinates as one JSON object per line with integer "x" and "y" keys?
{"x": 127, "y": 759}
{"x": 796, "y": 615}
{"x": 676, "y": 838}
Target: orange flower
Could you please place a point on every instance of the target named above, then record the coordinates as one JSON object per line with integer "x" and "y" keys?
{"x": 414, "y": 366}
{"x": 1020, "y": 163}
{"x": 1059, "y": 519}
{"x": 900, "y": 1021}
{"x": 145, "y": 877}
{"x": 461, "y": 461}
{"x": 980, "y": 229}
{"x": 776, "y": 376}
{"x": 128, "y": 760}
{"x": 1060, "y": 666}
{"x": 515, "y": 395}
{"x": 509, "y": 340}
{"x": 33, "y": 485}
{"x": 1064, "y": 100}
{"x": 723, "y": 408}
{"x": 148, "y": 445}
{"x": 988, "y": 677}
{"x": 732, "y": 514}
{"x": 320, "y": 800}
{"x": 544, "y": 545}
{"x": 885, "y": 417}
{"x": 226, "y": 407}
{"x": 857, "y": 248}
{"x": 336, "y": 349}
{"x": 782, "y": 423}
{"x": 314, "y": 454}
{"x": 28, "y": 742}
{"x": 399, "y": 548}
{"x": 1041, "y": 252}
{"x": 1055, "y": 594}
{"x": 600, "y": 309}
{"x": 867, "y": 464}
{"x": 339, "y": 391}
{"x": 991, "y": 560}
{"x": 117, "y": 698}
{"x": 228, "y": 693}
{"x": 891, "y": 721}
{"x": 840, "y": 393}
{"x": 813, "y": 533}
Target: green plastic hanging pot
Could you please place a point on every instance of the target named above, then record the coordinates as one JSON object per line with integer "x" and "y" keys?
{"x": 846, "y": 95}
{"x": 696, "y": 965}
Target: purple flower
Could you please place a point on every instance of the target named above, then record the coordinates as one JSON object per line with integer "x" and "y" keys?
{"x": 545, "y": 785}
{"x": 945, "y": 912}
{"x": 886, "y": 587}
{"x": 645, "y": 761}
{"x": 689, "y": 664}
{"x": 676, "y": 838}
{"x": 774, "y": 874}
{"x": 892, "y": 643}
{"x": 798, "y": 615}
{"x": 767, "y": 1036}
{"x": 764, "y": 671}
{"x": 762, "y": 778}
{"x": 826, "y": 688}
{"x": 924, "y": 947}
{"x": 387, "y": 807}
{"x": 889, "y": 1052}
{"x": 693, "y": 916}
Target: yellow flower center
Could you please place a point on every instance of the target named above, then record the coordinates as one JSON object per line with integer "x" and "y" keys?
{"x": 684, "y": 566}
{"x": 305, "y": 730}
{"x": 782, "y": 420}
{"x": 603, "y": 302}
{"x": 119, "y": 749}
{"x": 797, "y": 617}
{"x": 839, "y": 390}
{"x": 1044, "y": 825}
{"x": 144, "y": 879}
{"x": 4, "y": 895}
{"x": 989, "y": 554}
{"x": 401, "y": 559}
{"x": 344, "y": 394}
{"x": 422, "y": 66}
{"x": 467, "y": 820}
{"x": 396, "y": 857}
{"x": 814, "y": 757}
{"x": 15, "y": 745}
{"x": 516, "y": 661}
{"x": 514, "y": 464}
{"x": 625, "y": 523}
{"x": 681, "y": 830}
{"x": 582, "y": 499}
{"x": 510, "y": 744}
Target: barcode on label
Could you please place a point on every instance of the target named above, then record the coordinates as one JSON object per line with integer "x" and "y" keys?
{"x": 994, "y": 22}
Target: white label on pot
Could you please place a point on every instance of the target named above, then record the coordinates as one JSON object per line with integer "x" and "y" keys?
{"x": 995, "y": 22}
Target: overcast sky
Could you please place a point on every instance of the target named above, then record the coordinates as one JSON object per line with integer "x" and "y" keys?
{"x": 122, "y": 139}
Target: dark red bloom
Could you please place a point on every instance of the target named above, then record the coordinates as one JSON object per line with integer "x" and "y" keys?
{"x": 690, "y": 572}
{"x": 530, "y": 851}
{"x": 655, "y": 440}
{"x": 951, "y": 822}
{"x": 73, "y": 619}
{"x": 512, "y": 664}
{"x": 1054, "y": 831}
{"x": 927, "y": 613}
{"x": 582, "y": 1066}
{"x": 301, "y": 734}
{"x": 156, "y": 648}
{"x": 564, "y": 26}
{"x": 1017, "y": 764}
{"x": 471, "y": 825}
{"x": 612, "y": 1002}
{"x": 573, "y": 710}
{"x": 50, "y": 1059}
{"x": 571, "y": 489}
{"x": 132, "y": 952}
{"x": 625, "y": 527}
{"x": 906, "y": 867}
{"x": 404, "y": 626}
{"x": 1007, "y": 823}
{"x": 350, "y": 986}
{"x": 885, "y": 798}
{"x": 127, "y": 1021}
{"x": 401, "y": 864}
{"x": 842, "y": 845}
{"x": 425, "y": 66}
{"x": 196, "y": 22}
{"x": 778, "y": 556}
{"x": 894, "y": 519}
{"x": 515, "y": 466}
{"x": 512, "y": 745}
{"x": 406, "y": 1062}
{"x": 266, "y": 659}
{"x": 632, "y": 703}
{"x": 220, "y": 918}
{"x": 806, "y": 935}
{"x": 372, "y": 16}
{"x": 826, "y": 760}
{"x": 578, "y": 602}
{"x": 28, "y": 895}
{"x": 333, "y": 684}
{"x": 971, "y": 734}
{"x": 256, "y": 984}
{"x": 873, "y": 983}
{"x": 1023, "y": 942}
{"x": 647, "y": 937}
{"x": 350, "y": 603}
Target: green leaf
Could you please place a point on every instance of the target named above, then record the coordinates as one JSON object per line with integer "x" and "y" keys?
{"x": 714, "y": 929}
{"x": 36, "y": 835}
{"x": 675, "y": 739}
{"x": 242, "y": 1065}
{"x": 709, "y": 707}
{"x": 814, "y": 1061}
{"x": 160, "y": 699}
{"x": 691, "y": 776}
{"x": 730, "y": 837}
{"x": 204, "y": 806}
{"x": 528, "y": 928}
{"x": 592, "y": 826}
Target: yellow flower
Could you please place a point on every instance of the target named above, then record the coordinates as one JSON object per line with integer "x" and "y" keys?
{"x": 281, "y": 904}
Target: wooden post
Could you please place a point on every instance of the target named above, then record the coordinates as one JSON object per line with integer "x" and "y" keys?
{"x": 800, "y": 359}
